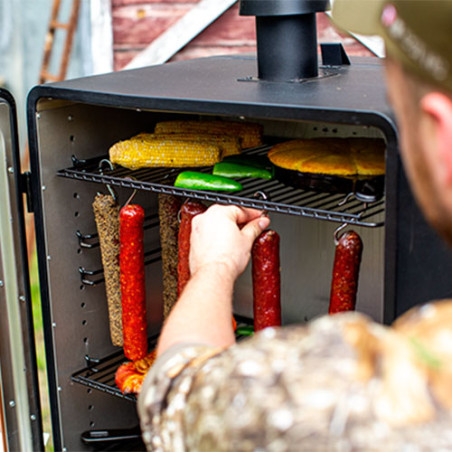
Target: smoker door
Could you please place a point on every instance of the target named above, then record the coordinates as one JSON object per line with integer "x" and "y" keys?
{"x": 21, "y": 426}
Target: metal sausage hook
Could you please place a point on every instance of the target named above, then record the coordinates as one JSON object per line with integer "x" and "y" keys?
{"x": 133, "y": 193}
{"x": 101, "y": 172}
{"x": 260, "y": 194}
{"x": 337, "y": 231}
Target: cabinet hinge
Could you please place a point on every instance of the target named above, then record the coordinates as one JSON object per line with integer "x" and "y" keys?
{"x": 25, "y": 187}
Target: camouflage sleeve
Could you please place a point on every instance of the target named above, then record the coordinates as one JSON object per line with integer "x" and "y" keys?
{"x": 163, "y": 395}
{"x": 338, "y": 383}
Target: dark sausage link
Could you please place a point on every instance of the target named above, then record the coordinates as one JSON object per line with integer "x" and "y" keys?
{"x": 347, "y": 260}
{"x": 169, "y": 207}
{"x": 266, "y": 280}
{"x": 106, "y": 215}
{"x": 188, "y": 211}
{"x": 131, "y": 263}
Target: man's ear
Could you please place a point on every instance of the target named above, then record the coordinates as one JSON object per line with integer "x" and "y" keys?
{"x": 437, "y": 108}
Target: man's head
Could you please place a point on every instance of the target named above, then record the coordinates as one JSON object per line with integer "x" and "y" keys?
{"x": 417, "y": 35}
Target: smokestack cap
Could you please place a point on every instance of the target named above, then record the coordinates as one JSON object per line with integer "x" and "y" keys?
{"x": 281, "y": 7}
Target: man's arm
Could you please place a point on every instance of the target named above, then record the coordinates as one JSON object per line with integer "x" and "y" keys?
{"x": 220, "y": 249}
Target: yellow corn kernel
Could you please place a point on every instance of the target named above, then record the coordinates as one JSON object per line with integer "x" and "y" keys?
{"x": 228, "y": 144}
{"x": 139, "y": 152}
{"x": 249, "y": 133}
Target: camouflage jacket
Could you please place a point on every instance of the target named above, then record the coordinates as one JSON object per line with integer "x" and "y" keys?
{"x": 339, "y": 383}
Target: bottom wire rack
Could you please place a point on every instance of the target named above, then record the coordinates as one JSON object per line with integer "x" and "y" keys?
{"x": 99, "y": 374}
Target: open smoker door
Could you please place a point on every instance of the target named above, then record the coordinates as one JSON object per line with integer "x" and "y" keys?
{"x": 21, "y": 425}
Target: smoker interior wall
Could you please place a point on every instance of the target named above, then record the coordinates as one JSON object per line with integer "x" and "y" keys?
{"x": 78, "y": 313}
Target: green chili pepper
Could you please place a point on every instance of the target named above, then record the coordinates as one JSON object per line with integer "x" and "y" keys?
{"x": 202, "y": 181}
{"x": 245, "y": 330}
{"x": 259, "y": 161}
{"x": 232, "y": 169}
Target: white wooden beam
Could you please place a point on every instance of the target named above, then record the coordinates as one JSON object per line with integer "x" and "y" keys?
{"x": 101, "y": 36}
{"x": 181, "y": 33}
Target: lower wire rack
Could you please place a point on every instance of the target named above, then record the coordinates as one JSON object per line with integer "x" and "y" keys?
{"x": 272, "y": 195}
{"x": 100, "y": 374}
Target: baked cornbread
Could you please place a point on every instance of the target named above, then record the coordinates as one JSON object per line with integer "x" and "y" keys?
{"x": 332, "y": 156}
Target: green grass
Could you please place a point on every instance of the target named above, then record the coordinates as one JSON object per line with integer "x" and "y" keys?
{"x": 40, "y": 350}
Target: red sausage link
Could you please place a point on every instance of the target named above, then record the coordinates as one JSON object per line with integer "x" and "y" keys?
{"x": 266, "y": 280}
{"x": 133, "y": 297}
{"x": 344, "y": 285}
{"x": 188, "y": 211}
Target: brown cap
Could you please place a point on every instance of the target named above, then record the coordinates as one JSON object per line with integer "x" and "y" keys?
{"x": 418, "y": 33}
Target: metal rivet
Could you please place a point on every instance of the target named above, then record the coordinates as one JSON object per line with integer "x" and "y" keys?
{"x": 33, "y": 417}
{"x": 10, "y": 170}
{"x": 70, "y": 118}
{"x": 38, "y": 115}
{"x": 22, "y": 298}
{"x": 49, "y": 258}
{"x": 44, "y": 188}
{"x": 2, "y": 283}
{"x": 53, "y": 325}
{"x": 59, "y": 389}
{"x": 12, "y": 404}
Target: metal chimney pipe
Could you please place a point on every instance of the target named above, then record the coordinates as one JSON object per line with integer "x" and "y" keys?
{"x": 286, "y": 34}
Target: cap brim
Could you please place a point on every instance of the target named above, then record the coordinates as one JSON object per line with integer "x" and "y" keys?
{"x": 358, "y": 16}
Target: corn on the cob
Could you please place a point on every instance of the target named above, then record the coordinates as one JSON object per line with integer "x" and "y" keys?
{"x": 228, "y": 144}
{"x": 249, "y": 133}
{"x": 139, "y": 152}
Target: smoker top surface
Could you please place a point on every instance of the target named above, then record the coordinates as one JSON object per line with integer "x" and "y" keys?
{"x": 216, "y": 85}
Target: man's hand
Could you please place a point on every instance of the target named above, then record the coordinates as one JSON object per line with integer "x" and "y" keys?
{"x": 224, "y": 235}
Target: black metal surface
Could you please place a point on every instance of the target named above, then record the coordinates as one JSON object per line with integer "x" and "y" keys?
{"x": 286, "y": 47}
{"x": 279, "y": 197}
{"x": 333, "y": 54}
{"x": 114, "y": 439}
{"x": 355, "y": 95}
{"x": 281, "y": 7}
{"x": 286, "y": 38}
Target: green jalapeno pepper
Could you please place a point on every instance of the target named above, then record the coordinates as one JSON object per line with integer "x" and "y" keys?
{"x": 232, "y": 169}
{"x": 202, "y": 181}
{"x": 259, "y": 161}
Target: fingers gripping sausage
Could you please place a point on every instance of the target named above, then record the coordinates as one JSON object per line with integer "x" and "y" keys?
{"x": 266, "y": 280}
{"x": 344, "y": 285}
{"x": 133, "y": 297}
{"x": 188, "y": 211}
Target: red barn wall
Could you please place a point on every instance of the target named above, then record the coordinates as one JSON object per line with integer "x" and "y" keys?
{"x": 136, "y": 23}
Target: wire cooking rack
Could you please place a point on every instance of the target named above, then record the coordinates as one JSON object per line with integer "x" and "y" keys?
{"x": 279, "y": 197}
